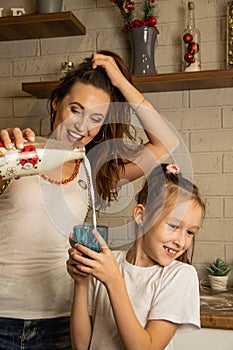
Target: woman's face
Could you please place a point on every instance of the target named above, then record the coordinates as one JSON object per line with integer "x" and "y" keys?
{"x": 173, "y": 235}
{"x": 80, "y": 115}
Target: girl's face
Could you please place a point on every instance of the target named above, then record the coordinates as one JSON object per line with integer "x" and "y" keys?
{"x": 80, "y": 115}
{"x": 173, "y": 235}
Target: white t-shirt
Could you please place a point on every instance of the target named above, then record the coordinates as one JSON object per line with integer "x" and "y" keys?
{"x": 35, "y": 221}
{"x": 156, "y": 293}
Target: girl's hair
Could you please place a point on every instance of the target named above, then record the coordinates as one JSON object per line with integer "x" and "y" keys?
{"x": 162, "y": 191}
{"x": 117, "y": 126}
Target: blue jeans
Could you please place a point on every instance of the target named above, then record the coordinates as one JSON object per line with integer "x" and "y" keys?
{"x": 42, "y": 334}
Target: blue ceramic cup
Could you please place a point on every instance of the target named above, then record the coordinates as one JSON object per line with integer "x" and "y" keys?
{"x": 82, "y": 234}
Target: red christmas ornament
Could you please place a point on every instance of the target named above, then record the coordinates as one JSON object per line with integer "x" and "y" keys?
{"x": 128, "y": 27}
{"x": 187, "y": 38}
{"x": 152, "y": 21}
{"x": 129, "y": 5}
{"x": 189, "y": 57}
{"x": 193, "y": 47}
{"x": 137, "y": 23}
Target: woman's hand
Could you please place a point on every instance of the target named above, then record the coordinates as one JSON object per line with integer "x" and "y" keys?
{"x": 111, "y": 67}
{"x": 16, "y": 137}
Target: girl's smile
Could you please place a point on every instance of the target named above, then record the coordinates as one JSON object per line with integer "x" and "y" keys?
{"x": 170, "y": 252}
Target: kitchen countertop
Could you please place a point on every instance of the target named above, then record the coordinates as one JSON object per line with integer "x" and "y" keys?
{"x": 216, "y": 308}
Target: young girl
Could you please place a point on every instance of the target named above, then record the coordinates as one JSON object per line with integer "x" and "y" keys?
{"x": 140, "y": 298}
{"x": 93, "y": 105}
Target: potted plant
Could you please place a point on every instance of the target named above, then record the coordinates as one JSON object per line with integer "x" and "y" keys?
{"x": 218, "y": 273}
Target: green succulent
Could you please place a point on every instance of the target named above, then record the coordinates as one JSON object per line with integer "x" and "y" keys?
{"x": 218, "y": 268}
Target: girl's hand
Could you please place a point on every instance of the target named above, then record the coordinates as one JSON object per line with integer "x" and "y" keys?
{"x": 16, "y": 137}
{"x": 73, "y": 267}
{"x": 102, "y": 266}
{"x": 111, "y": 67}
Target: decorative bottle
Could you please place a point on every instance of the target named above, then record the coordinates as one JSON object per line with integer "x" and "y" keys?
{"x": 37, "y": 157}
{"x": 191, "y": 55}
{"x": 230, "y": 34}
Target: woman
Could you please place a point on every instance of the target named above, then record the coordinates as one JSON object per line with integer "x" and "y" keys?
{"x": 35, "y": 291}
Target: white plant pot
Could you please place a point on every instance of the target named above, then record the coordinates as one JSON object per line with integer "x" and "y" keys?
{"x": 218, "y": 282}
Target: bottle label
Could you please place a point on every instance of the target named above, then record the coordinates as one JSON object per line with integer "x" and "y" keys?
{"x": 16, "y": 163}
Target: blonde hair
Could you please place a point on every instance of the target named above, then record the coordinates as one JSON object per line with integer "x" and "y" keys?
{"x": 161, "y": 192}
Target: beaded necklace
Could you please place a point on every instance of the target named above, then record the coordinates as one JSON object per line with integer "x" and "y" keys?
{"x": 5, "y": 185}
{"x": 66, "y": 181}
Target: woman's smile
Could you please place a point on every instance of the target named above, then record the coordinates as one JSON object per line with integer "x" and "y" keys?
{"x": 74, "y": 135}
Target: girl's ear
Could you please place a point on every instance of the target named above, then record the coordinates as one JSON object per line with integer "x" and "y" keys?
{"x": 139, "y": 212}
{"x": 54, "y": 104}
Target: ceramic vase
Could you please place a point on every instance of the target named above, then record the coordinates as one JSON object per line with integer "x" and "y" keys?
{"x": 49, "y": 6}
{"x": 143, "y": 41}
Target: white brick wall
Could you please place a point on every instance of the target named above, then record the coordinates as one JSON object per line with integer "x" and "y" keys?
{"x": 204, "y": 118}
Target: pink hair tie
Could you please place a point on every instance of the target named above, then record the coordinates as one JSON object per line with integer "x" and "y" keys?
{"x": 172, "y": 169}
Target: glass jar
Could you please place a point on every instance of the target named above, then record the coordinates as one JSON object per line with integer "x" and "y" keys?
{"x": 66, "y": 67}
{"x": 230, "y": 34}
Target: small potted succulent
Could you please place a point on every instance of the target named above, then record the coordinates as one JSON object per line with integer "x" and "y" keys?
{"x": 218, "y": 273}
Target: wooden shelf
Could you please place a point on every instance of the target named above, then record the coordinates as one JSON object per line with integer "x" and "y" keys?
{"x": 37, "y": 26}
{"x": 40, "y": 89}
{"x": 213, "y": 321}
{"x": 209, "y": 79}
